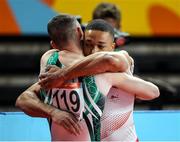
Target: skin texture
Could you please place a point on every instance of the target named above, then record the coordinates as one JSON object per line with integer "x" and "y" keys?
{"x": 96, "y": 41}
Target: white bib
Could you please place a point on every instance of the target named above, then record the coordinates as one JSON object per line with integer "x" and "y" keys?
{"x": 69, "y": 100}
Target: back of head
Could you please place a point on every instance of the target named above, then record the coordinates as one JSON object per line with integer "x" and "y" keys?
{"x": 100, "y": 25}
{"x": 61, "y": 29}
{"x": 107, "y": 10}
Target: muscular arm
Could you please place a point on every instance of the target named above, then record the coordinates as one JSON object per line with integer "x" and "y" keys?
{"x": 29, "y": 102}
{"x": 93, "y": 64}
{"x": 98, "y": 63}
{"x": 140, "y": 88}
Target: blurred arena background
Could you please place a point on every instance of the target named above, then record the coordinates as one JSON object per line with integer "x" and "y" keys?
{"x": 153, "y": 26}
{"x": 153, "y": 42}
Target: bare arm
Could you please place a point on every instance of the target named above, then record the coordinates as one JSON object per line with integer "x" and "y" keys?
{"x": 101, "y": 62}
{"x": 30, "y": 103}
{"x": 93, "y": 64}
{"x": 98, "y": 63}
{"x": 29, "y": 100}
{"x": 140, "y": 88}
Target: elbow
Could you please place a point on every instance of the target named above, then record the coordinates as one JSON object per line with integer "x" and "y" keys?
{"x": 149, "y": 93}
{"x": 154, "y": 93}
{"x": 20, "y": 101}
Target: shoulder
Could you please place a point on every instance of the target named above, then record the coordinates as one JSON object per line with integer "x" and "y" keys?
{"x": 45, "y": 58}
{"x": 48, "y": 53}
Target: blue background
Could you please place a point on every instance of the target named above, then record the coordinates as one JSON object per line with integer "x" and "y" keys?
{"x": 150, "y": 126}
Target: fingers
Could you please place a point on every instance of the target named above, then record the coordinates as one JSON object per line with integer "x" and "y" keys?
{"x": 49, "y": 67}
{"x": 68, "y": 121}
{"x": 74, "y": 118}
{"x": 76, "y": 121}
{"x": 75, "y": 126}
{"x": 44, "y": 80}
{"x": 71, "y": 126}
{"x": 45, "y": 83}
{"x": 43, "y": 75}
{"x": 67, "y": 127}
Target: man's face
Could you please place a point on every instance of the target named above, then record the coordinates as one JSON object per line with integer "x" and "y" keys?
{"x": 95, "y": 41}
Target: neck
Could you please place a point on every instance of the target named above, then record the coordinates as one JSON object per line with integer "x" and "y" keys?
{"x": 70, "y": 54}
{"x": 73, "y": 48}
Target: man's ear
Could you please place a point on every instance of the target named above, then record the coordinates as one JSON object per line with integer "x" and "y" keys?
{"x": 53, "y": 45}
{"x": 80, "y": 33}
{"x": 113, "y": 45}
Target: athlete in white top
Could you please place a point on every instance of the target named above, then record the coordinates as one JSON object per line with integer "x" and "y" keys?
{"x": 117, "y": 120}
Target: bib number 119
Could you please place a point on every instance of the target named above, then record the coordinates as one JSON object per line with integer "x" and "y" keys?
{"x": 73, "y": 98}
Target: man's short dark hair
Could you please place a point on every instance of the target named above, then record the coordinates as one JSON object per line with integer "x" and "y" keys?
{"x": 61, "y": 29}
{"x": 107, "y": 10}
{"x": 100, "y": 25}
